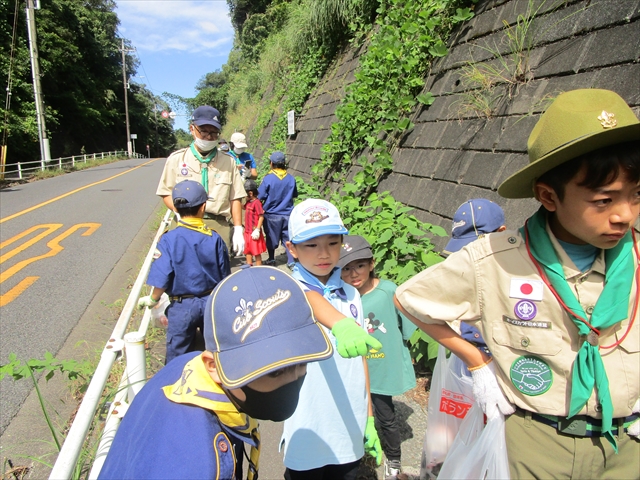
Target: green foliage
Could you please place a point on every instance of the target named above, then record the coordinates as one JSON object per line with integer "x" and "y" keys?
{"x": 423, "y": 349}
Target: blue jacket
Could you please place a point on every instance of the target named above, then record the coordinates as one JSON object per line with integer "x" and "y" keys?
{"x": 277, "y": 194}
{"x": 160, "y": 439}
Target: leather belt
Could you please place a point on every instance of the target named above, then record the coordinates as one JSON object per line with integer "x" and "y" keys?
{"x": 178, "y": 298}
{"x": 581, "y": 425}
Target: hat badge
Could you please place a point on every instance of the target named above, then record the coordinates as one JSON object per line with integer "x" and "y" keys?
{"x": 316, "y": 217}
{"x": 607, "y": 120}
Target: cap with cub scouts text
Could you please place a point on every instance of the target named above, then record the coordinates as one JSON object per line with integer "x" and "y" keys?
{"x": 258, "y": 320}
{"x": 188, "y": 193}
{"x": 312, "y": 218}
{"x": 474, "y": 218}
{"x": 206, "y": 115}
{"x": 354, "y": 247}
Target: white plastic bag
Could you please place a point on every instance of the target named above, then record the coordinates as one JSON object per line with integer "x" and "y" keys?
{"x": 157, "y": 313}
{"x": 479, "y": 451}
{"x": 450, "y": 399}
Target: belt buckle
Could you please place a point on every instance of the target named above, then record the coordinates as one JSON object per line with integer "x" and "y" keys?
{"x": 576, "y": 427}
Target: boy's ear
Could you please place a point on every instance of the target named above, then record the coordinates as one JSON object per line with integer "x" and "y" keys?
{"x": 210, "y": 365}
{"x": 292, "y": 249}
{"x": 546, "y": 196}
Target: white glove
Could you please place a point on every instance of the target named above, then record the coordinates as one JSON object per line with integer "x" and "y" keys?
{"x": 238, "y": 240}
{"x": 147, "y": 302}
{"x": 255, "y": 235}
{"x": 634, "y": 428}
{"x": 488, "y": 394}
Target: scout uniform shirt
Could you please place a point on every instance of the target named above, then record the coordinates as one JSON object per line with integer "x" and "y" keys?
{"x": 225, "y": 183}
{"x": 493, "y": 285}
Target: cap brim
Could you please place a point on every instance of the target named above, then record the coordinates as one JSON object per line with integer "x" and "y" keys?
{"x": 204, "y": 121}
{"x": 456, "y": 244}
{"x": 239, "y": 145}
{"x": 352, "y": 257}
{"x": 319, "y": 230}
{"x": 244, "y": 364}
{"x": 520, "y": 184}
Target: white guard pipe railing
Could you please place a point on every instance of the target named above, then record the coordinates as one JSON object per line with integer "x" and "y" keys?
{"x": 70, "y": 451}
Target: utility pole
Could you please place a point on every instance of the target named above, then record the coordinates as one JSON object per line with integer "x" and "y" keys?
{"x": 126, "y": 101}
{"x": 45, "y": 154}
{"x": 155, "y": 113}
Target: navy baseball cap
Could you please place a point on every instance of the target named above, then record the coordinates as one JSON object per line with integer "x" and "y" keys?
{"x": 206, "y": 115}
{"x": 354, "y": 247}
{"x": 474, "y": 218}
{"x": 188, "y": 193}
{"x": 258, "y": 320}
{"x": 277, "y": 158}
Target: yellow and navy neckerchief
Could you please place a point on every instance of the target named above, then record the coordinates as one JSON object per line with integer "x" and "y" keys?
{"x": 279, "y": 172}
{"x": 195, "y": 224}
{"x": 204, "y": 163}
{"x": 196, "y": 387}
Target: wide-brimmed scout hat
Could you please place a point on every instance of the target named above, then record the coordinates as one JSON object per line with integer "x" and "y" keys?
{"x": 258, "y": 320}
{"x": 577, "y": 122}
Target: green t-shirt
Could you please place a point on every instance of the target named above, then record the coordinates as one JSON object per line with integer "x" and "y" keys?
{"x": 390, "y": 369}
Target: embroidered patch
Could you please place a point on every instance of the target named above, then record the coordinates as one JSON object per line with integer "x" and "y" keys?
{"x": 525, "y": 310}
{"x": 526, "y": 288}
{"x": 157, "y": 254}
{"x": 184, "y": 172}
{"x": 354, "y": 310}
{"x": 526, "y": 323}
{"x": 531, "y": 375}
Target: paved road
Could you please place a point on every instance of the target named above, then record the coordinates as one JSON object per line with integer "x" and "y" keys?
{"x": 60, "y": 238}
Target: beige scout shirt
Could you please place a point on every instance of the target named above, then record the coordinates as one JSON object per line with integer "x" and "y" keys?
{"x": 225, "y": 183}
{"x": 474, "y": 285}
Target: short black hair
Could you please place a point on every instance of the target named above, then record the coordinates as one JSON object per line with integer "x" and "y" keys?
{"x": 188, "y": 211}
{"x": 602, "y": 167}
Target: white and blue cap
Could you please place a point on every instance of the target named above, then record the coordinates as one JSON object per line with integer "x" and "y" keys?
{"x": 312, "y": 218}
{"x": 258, "y": 320}
{"x": 188, "y": 193}
{"x": 206, "y": 115}
{"x": 474, "y": 218}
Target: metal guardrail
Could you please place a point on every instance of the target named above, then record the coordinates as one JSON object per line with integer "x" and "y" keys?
{"x": 132, "y": 380}
{"x": 24, "y": 167}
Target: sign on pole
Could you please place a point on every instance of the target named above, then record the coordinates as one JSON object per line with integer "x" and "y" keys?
{"x": 165, "y": 114}
{"x": 291, "y": 128}
{"x": 172, "y": 114}
{"x": 134, "y": 136}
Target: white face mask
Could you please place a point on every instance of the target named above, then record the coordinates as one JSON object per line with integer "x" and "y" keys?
{"x": 205, "y": 145}
{"x": 239, "y": 150}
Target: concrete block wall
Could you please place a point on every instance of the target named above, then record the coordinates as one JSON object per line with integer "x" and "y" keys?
{"x": 450, "y": 156}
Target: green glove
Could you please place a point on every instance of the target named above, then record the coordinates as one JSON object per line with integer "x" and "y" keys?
{"x": 352, "y": 340}
{"x": 371, "y": 441}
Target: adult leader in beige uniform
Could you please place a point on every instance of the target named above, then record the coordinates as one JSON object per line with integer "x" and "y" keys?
{"x": 201, "y": 161}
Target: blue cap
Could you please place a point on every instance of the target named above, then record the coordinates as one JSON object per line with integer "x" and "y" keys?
{"x": 188, "y": 193}
{"x": 258, "y": 320}
{"x": 206, "y": 115}
{"x": 312, "y": 218}
{"x": 474, "y": 218}
{"x": 277, "y": 158}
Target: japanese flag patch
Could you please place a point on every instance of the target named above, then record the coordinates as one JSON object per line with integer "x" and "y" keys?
{"x": 526, "y": 288}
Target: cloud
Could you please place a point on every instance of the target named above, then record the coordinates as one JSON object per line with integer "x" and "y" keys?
{"x": 173, "y": 26}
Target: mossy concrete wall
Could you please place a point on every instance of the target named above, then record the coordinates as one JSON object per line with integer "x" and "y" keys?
{"x": 452, "y": 155}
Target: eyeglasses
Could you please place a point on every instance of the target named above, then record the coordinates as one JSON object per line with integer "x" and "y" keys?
{"x": 358, "y": 268}
{"x": 210, "y": 134}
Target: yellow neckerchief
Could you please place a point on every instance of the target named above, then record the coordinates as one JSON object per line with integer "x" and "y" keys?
{"x": 196, "y": 387}
{"x": 195, "y": 224}
{"x": 279, "y": 172}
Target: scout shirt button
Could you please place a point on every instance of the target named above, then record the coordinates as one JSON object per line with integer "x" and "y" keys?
{"x": 512, "y": 240}
{"x": 589, "y": 309}
{"x": 583, "y": 279}
{"x": 524, "y": 342}
{"x": 598, "y": 408}
{"x": 222, "y": 446}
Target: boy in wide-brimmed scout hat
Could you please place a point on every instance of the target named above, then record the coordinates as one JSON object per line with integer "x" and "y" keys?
{"x": 557, "y": 300}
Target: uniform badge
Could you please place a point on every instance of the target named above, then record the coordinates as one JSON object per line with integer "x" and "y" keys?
{"x": 526, "y": 288}
{"x": 184, "y": 172}
{"x": 525, "y": 310}
{"x": 354, "y": 310}
{"x": 531, "y": 375}
{"x": 157, "y": 254}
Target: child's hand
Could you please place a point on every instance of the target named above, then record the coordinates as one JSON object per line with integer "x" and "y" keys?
{"x": 372, "y": 441}
{"x": 351, "y": 340}
{"x": 255, "y": 235}
{"x": 147, "y": 302}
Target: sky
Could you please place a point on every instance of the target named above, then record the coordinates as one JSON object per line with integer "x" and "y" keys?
{"x": 177, "y": 42}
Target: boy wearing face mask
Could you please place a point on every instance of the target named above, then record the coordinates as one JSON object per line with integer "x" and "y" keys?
{"x": 245, "y": 159}
{"x": 192, "y": 419}
{"x": 204, "y": 163}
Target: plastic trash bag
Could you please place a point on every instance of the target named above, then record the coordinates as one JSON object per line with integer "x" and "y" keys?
{"x": 479, "y": 451}
{"x": 157, "y": 313}
{"x": 450, "y": 399}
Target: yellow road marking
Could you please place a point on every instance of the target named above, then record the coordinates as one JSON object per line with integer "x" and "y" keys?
{"x": 11, "y": 217}
{"x": 49, "y": 228}
{"x": 55, "y": 249}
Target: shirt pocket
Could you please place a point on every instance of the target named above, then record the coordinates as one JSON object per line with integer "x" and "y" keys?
{"x": 540, "y": 341}
{"x": 631, "y": 344}
{"x": 222, "y": 178}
